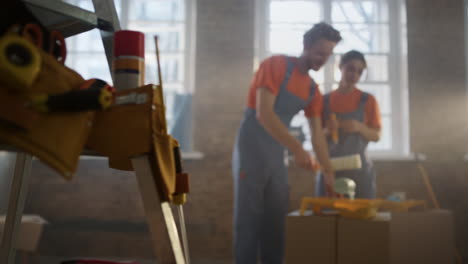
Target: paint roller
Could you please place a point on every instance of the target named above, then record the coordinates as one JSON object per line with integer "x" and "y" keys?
{"x": 344, "y": 186}
{"x": 349, "y": 162}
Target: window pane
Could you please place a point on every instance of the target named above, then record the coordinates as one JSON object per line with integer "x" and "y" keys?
{"x": 356, "y": 11}
{"x": 171, "y": 39}
{"x": 377, "y": 68}
{"x": 84, "y": 4}
{"x": 90, "y": 65}
{"x": 403, "y": 13}
{"x": 88, "y": 5}
{"x": 382, "y": 94}
{"x": 168, "y": 41}
{"x": 171, "y": 68}
{"x": 300, "y": 120}
{"x": 363, "y": 37}
{"x": 172, "y": 52}
{"x": 156, "y": 10}
{"x": 385, "y": 142}
{"x": 319, "y": 77}
{"x": 89, "y": 41}
{"x": 287, "y": 38}
{"x": 169, "y": 97}
{"x": 295, "y": 12}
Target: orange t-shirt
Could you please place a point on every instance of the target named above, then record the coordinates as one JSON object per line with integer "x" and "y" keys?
{"x": 271, "y": 74}
{"x": 349, "y": 102}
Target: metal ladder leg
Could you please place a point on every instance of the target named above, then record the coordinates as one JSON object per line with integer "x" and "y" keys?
{"x": 105, "y": 11}
{"x": 164, "y": 234}
{"x": 16, "y": 201}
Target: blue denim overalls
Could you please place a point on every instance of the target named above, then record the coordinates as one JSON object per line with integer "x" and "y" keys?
{"x": 348, "y": 144}
{"x": 261, "y": 190}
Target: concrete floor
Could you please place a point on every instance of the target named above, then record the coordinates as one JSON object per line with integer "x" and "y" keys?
{"x": 57, "y": 260}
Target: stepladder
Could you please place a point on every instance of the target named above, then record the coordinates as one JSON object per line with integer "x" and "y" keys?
{"x": 156, "y": 165}
{"x": 167, "y": 246}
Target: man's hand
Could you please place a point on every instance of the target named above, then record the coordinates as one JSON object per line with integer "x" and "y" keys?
{"x": 305, "y": 160}
{"x": 329, "y": 180}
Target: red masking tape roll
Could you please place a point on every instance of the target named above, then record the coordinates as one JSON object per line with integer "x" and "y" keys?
{"x": 129, "y": 43}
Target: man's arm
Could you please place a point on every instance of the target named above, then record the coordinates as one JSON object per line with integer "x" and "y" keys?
{"x": 273, "y": 125}
{"x": 321, "y": 149}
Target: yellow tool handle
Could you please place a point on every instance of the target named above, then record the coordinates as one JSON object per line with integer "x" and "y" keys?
{"x": 94, "y": 95}
{"x": 334, "y": 132}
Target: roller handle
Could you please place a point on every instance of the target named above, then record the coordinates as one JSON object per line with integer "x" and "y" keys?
{"x": 334, "y": 132}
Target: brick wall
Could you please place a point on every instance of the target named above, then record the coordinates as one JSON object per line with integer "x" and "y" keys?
{"x": 99, "y": 213}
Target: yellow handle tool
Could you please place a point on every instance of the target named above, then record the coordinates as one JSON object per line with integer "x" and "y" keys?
{"x": 334, "y": 132}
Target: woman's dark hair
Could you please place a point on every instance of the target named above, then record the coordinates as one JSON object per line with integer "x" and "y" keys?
{"x": 353, "y": 55}
{"x": 319, "y": 31}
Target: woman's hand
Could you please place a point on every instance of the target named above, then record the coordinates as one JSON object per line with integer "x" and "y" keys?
{"x": 351, "y": 126}
{"x": 332, "y": 124}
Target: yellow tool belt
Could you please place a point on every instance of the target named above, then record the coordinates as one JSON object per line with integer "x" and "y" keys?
{"x": 57, "y": 139}
{"x": 135, "y": 124}
{"x": 134, "y": 129}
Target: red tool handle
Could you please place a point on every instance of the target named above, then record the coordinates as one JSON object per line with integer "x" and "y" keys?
{"x": 57, "y": 46}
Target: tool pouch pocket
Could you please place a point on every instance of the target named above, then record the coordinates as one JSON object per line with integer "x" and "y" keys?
{"x": 57, "y": 139}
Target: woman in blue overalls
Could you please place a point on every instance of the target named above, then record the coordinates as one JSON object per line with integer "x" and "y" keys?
{"x": 357, "y": 122}
{"x": 280, "y": 89}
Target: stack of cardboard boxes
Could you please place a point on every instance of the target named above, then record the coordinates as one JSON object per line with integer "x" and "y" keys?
{"x": 30, "y": 232}
{"x": 390, "y": 238}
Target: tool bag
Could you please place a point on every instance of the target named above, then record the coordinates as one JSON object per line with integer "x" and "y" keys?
{"x": 139, "y": 128}
{"x": 57, "y": 139}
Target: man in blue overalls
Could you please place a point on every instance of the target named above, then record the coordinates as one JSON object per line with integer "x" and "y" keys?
{"x": 280, "y": 89}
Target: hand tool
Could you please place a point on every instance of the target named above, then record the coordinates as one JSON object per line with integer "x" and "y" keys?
{"x": 94, "y": 94}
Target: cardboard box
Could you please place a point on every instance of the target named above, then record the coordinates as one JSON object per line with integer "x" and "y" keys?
{"x": 400, "y": 238}
{"x": 30, "y": 232}
{"x": 310, "y": 239}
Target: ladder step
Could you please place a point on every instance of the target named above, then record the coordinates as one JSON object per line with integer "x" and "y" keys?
{"x": 70, "y": 20}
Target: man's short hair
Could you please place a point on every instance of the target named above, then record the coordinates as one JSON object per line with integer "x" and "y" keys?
{"x": 321, "y": 30}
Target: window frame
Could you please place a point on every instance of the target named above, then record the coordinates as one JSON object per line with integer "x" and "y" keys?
{"x": 397, "y": 69}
